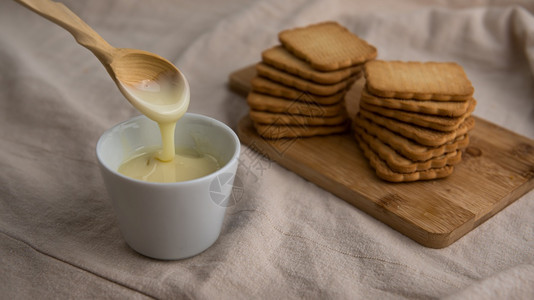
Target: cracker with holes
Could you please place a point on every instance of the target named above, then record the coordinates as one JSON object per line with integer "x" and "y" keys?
{"x": 272, "y": 104}
{"x": 400, "y": 164}
{"x": 430, "y": 107}
{"x": 422, "y": 135}
{"x": 276, "y": 131}
{"x": 438, "y": 81}
{"x": 327, "y": 46}
{"x": 300, "y": 86}
{"x": 278, "y": 57}
{"x": 269, "y": 87}
{"x": 414, "y": 118}
{"x": 384, "y": 171}
{"x": 298, "y": 83}
{"x": 407, "y": 147}
{"x": 262, "y": 117}
{"x": 440, "y": 123}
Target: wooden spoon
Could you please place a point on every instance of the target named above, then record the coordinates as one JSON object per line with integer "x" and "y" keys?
{"x": 130, "y": 69}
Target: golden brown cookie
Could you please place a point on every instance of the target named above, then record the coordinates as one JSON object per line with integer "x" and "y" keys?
{"x": 273, "y": 131}
{"x": 401, "y": 164}
{"x": 298, "y": 83}
{"x": 282, "y": 59}
{"x": 407, "y": 147}
{"x": 429, "y": 121}
{"x": 423, "y": 136}
{"x": 327, "y": 46}
{"x": 262, "y": 117}
{"x": 383, "y": 171}
{"x": 267, "y": 103}
{"x": 417, "y": 80}
{"x": 269, "y": 87}
{"x": 439, "y": 108}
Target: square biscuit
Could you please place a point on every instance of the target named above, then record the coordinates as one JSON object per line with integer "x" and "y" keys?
{"x": 275, "y": 131}
{"x": 327, "y": 46}
{"x": 401, "y": 164}
{"x": 282, "y": 59}
{"x": 440, "y": 123}
{"x": 263, "y": 117}
{"x": 298, "y": 83}
{"x": 422, "y": 135}
{"x": 438, "y": 108}
{"x": 269, "y": 87}
{"x": 384, "y": 172}
{"x": 417, "y": 80}
{"x": 407, "y": 147}
{"x": 268, "y": 103}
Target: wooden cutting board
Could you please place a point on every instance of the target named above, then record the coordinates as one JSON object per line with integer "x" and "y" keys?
{"x": 497, "y": 169}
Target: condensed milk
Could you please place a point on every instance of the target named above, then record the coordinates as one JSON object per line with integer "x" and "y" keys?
{"x": 165, "y": 101}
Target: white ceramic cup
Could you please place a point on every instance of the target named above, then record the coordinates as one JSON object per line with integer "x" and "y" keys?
{"x": 169, "y": 220}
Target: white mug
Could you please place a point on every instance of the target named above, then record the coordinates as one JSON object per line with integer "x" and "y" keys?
{"x": 169, "y": 220}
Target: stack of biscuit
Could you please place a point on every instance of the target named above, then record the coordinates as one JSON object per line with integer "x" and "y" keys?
{"x": 300, "y": 85}
{"x": 414, "y": 118}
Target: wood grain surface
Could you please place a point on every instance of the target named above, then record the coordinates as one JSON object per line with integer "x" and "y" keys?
{"x": 497, "y": 169}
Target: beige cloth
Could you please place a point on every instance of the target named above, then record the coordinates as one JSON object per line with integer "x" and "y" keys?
{"x": 286, "y": 237}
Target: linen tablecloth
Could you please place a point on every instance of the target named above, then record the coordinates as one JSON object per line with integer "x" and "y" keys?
{"x": 286, "y": 237}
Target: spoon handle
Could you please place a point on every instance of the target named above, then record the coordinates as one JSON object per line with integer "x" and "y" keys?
{"x": 83, "y": 33}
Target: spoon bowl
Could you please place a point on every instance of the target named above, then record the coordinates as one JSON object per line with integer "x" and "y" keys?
{"x": 152, "y": 84}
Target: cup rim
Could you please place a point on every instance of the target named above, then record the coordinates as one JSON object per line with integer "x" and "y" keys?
{"x": 222, "y": 170}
